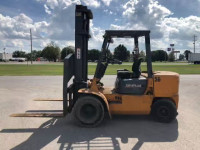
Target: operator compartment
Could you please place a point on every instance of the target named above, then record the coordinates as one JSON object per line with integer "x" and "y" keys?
{"x": 136, "y": 86}
{"x": 166, "y": 84}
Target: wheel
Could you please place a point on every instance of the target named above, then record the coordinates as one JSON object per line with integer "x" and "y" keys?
{"x": 89, "y": 111}
{"x": 164, "y": 110}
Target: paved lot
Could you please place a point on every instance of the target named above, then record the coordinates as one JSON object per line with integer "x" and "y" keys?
{"x": 122, "y": 132}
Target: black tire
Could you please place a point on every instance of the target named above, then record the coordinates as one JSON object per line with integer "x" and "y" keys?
{"x": 89, "y": 111}
{"x": 164, "y": 110}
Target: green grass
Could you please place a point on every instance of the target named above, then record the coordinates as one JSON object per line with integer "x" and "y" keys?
{"x": 24, "y": 70}
{"x": 53, "y": 69}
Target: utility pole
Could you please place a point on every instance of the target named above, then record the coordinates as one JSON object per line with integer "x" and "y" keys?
{"x": 194, "y": 42}
{"x": 5, "y": 53}
{"x": 31, "y": 44}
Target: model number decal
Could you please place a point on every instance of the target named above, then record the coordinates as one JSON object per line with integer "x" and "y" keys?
{"x": 118, "y": 98}
{"x": 157, "y": 79}
{"x": 78, "y": 53}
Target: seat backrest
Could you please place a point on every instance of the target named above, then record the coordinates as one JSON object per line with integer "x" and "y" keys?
{"x": 136, "y": 68}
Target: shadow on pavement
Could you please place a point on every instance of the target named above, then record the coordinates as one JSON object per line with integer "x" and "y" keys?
{"x": 106, "y": 136}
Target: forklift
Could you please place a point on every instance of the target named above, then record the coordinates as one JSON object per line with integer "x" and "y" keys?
{"x": 135, "y": 92}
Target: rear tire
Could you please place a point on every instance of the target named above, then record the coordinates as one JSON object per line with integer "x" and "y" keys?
{"x": 164, "y": 110}
{"x": 89, "y": 111}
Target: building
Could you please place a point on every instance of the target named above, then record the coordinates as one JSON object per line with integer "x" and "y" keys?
{"x": 5, "y": 56}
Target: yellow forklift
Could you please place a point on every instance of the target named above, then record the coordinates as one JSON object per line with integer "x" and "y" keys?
{"x": 135, "y": 92}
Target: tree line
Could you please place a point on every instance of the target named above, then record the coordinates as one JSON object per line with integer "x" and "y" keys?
{"x": 161, "y": 55}
{"x": 53, "y": 53}
{"x": 120, "y": 52}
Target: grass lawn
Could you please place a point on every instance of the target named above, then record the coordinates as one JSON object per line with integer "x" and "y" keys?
{"x": 49, "y": 69}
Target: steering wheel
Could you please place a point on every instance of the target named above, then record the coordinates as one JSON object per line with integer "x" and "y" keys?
{"x": 109, "y": 59}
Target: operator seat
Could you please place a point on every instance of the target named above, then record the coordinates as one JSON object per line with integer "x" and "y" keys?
{"x": 128, "y": 82}
{"x": 126, "y": 74}
{"x": 136, "y": 68}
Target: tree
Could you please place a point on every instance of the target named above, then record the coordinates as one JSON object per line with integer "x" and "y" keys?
{"x": 93, "y": 54}
{"x": 186, "y": 53}
{"x": 38, "y": 54}
{"x": 19, "y": 54}
{"x": 162, "y": 55}
{"x": 35, "y": 54}
{"x": 51, "y": 52}
{"x": 159, "y": 55}
{"x": 153, "y": 56}
{"x": 171, "y": 56}
{"x": 121, "y": 53}
{"x": 181, "y": 57}
{"x": 66, "y": 50}
{"x": 28, "y": 56}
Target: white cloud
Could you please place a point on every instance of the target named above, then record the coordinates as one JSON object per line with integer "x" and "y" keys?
{"x": 52, "y": 3}
{"x": 146, "y": 14}
{"x": 116, "y": 27}
{"x": 135, "y": 15}
{"x": 109, "y": 12}
{"x": 47, "y": 9}
{"x": 62, "y": 21}
{"x": 15, "y": 31}
{"x": 22, "y": 18}
{"x": 96, "y": 36}
{"x": 107, "y": 2}
{"x": 157, "y": 18}
{"x": 182, "y": 28}
{"x": 61, "y": 26}
{"x": 93, "y": 3}
{"x": 15, "y": 27}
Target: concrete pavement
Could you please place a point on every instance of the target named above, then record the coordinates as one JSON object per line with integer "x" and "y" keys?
{"x": 122, "y": 132}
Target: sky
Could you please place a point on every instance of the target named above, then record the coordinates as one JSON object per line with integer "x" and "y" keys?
{"x": 170, "y": 21}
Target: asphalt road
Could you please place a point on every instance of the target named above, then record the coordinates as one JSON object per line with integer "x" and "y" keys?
{"x": 122, "y": 132}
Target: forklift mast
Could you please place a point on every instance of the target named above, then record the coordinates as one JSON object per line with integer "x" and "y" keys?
{"x": 82, "y": 21}
{"x": 77, "y": 64}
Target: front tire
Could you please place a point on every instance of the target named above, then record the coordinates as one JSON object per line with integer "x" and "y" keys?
{"x": 89, "y": 111}
{"x": 164, "y": 110}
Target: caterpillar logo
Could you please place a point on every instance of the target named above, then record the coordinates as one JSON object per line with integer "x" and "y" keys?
{"x": 133, "y": 85}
